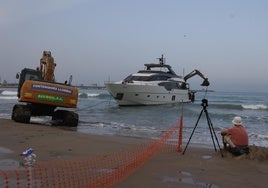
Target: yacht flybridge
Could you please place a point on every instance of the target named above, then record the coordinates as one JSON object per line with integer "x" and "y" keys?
{"x": 156, "y": 84}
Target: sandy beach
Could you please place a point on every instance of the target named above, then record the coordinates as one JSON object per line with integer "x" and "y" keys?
{"x": 198, "y": 167}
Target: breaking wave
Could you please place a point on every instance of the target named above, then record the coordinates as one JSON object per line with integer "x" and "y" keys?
{"x": 8, "y": 93}
{"x": 255, "y": 107}
{"x": 241, "y": 106}
{"x": 8, "y": 97}
{"x": 227, "y": 106}
{"x": 88, "y": 95}
{"x": 93, "y": 95}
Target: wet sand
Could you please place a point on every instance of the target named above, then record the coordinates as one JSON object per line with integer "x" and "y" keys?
{"x": 198, "y": 167}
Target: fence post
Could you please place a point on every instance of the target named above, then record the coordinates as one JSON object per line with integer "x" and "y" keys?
{"x": 180, "y": 129}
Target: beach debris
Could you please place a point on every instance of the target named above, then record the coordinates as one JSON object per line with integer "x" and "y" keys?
{"x": 29, "y": 158}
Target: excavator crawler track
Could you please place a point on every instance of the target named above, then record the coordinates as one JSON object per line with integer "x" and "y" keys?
{"x": 21, "y": 113}
{"x": 66, "y": 118}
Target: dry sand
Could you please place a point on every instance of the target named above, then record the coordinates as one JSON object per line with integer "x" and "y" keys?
{"x": 198, "y": 167}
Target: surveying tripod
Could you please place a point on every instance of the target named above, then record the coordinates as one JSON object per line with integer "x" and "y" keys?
{"x": 211, "y": 129}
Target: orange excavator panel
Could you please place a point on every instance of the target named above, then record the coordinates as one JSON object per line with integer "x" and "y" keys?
{"x": 55, "y": 94}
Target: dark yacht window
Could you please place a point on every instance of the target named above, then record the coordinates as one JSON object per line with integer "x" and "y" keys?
{"x": 159, "y": 77}
{"x": 174, "y": 85}
{"x": 146, "y": 78}
{"x": 136, "y": 78}
{"x": 169, "y": 85}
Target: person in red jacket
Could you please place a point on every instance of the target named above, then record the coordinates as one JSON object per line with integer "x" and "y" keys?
{"x": 235, "y": 139}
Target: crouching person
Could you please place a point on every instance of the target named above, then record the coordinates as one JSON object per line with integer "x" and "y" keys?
{"x": 235, "y": 139}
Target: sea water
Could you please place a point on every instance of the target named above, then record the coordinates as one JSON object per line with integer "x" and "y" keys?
{"x": 99, "y": 114}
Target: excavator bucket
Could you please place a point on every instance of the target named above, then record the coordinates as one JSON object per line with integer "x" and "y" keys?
{"x": 205, "y": 82}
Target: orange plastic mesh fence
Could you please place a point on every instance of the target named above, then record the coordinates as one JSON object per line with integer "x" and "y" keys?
{"x": 101, "y": 171}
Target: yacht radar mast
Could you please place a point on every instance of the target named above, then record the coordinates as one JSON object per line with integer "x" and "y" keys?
{"x": 162, "y": 60}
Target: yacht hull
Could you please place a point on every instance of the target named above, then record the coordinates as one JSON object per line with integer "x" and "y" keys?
{"x": 129, "y": 94}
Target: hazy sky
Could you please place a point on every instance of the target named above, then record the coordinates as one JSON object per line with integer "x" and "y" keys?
{"x": 100, "y": 40}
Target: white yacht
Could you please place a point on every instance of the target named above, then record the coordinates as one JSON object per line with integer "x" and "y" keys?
{"x": 156, "y": 84}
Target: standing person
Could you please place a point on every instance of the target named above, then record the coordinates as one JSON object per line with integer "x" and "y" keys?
{"x": 235, "y": 139}
{"x": 47, "y": 66}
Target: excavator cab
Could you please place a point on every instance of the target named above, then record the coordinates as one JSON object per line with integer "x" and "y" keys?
{"x": 27, "y": 74}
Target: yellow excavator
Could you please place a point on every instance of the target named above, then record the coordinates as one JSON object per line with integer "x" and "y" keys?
{"x": 40, "y": 95}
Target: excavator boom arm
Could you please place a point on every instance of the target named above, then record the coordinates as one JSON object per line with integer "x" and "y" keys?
{"x": 197, "y": 72}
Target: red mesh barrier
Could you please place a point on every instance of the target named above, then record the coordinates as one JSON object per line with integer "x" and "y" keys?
{"x": 101, "y": 171}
